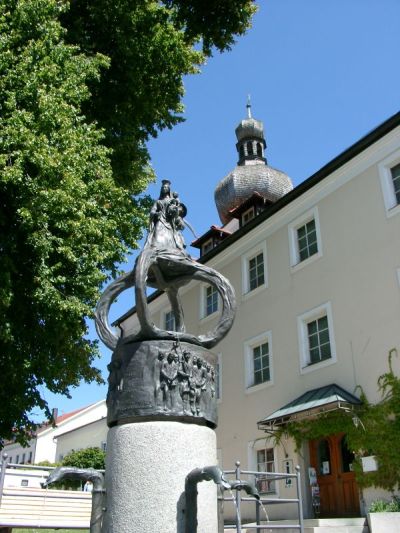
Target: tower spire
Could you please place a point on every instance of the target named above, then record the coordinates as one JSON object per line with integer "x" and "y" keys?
{"x": 248, "y": 105}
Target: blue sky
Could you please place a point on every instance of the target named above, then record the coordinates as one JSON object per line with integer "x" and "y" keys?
{"x": 321, "y": 74}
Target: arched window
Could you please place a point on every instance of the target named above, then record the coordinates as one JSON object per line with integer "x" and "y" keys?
{"x": 249, "y": 148}
{"x": 259, "y": 150}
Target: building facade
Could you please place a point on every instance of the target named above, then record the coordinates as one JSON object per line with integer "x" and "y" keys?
{"x": 316, "y": 270}
{"x": 70, "y": 432}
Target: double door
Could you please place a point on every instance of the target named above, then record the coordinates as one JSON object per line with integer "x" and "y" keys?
{"x": 332, "y": 460}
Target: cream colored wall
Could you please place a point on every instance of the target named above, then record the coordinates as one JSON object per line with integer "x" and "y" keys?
{"x": 356, "y": 274}
{"x": 87, "y": 436}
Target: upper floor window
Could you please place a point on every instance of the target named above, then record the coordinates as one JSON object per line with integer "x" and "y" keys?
{"x": 207, "y": 246}
{"x": 249, "y": 148}
{"x": 318, "y": 340}
{"x": 17, "y": 460}
{"x": 261, "y": 368}
{"x": 248, "y": 215}
{"x": 265, "y": 463}
{"x": 241, "y": 151}
{"x": 211, "y": 300}
{"x": 254, "y": 269}
{"x": 305, "y": 239}
{"x": 259, "y": 150}
{"x": 395, "y": 171}
{"x": 169, "y": 321}
{"x": 317, "y": 346}
{"x": 258, "y": 362}
{"x": 389, "y": 174}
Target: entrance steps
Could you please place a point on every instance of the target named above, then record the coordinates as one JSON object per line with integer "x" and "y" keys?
{"x": 315, "y": 525}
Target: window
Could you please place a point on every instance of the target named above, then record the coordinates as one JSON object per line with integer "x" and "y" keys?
{"x": 30, "y": 458}
{"x": 258, "y": 361}
{"x": 23, "y": 459}
{"x": 259, "y": 150}
{"x": 17, "y": 460}
{"x": 395, "y": 171}
{"x": 389, "y": 173}
{"x": 241, "y": 151}
{"x": 254, "y": 269}
{"x": 305, "y": 239}
{"x": 265, "y": 463}
{"x": 104, "y": 446}
{"x": 207, "y": 246}
{"x": 318, "y": 340}
{"x": 261, "y": 363}
{"x": 169, "y": 321}
{"x": 210, "y": 300}
{"x": 317, "y": 346}
{"x": 248, "y": 215}
{"x": 249, "y": 148}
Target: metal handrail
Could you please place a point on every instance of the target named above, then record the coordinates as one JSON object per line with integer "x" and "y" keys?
{"x": 270, "y": 476}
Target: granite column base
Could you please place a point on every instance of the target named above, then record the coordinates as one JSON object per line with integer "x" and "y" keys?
{"x": 147, "y": 463}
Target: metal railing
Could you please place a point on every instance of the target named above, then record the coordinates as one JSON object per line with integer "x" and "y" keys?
{"x": 249, "y": 483}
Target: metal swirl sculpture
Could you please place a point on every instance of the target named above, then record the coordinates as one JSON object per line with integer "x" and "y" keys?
{"x": 165, "y": 265}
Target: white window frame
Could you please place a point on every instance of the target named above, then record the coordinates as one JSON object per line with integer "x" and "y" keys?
{"x": 203, "y": 302}
{"x": 302, "y": 321}
{"x": 246, "y": 258}
{"x": 249, "y": 345}
{"x": 295, "y": 262}
{"x": 385, "y": 175}
{"x": 164, "y": 319}
{"x": 256, "y": 446}
{"x": 250, "y": 211}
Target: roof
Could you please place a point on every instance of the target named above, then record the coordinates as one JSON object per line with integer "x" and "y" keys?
{"x": 213, "y": 231}
{"x": 311, "y": 403}
{"x": 62, "y": 418}
{"x": 343, "y": 158}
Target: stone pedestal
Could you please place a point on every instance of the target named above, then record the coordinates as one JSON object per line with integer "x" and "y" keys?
{"x": 147, "y": 463}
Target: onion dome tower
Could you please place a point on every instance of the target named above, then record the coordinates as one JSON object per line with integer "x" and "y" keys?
{"x": 252, "y": 173}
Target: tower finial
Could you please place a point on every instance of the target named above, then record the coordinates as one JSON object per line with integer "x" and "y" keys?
{"x": 248, "y": 105}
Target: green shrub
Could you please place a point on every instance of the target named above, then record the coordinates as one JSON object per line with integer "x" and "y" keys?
{"x": 382, "y": 506}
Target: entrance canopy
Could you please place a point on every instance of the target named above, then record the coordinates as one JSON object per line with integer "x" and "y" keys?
{"x": 310, "y": 404}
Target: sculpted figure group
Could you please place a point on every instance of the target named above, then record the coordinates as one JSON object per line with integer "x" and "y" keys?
{"x": 182, "y": 380}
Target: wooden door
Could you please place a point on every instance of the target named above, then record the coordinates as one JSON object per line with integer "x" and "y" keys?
{"x": 332, "y": 461}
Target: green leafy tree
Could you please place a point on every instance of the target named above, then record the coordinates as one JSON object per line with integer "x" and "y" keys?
{"x": 92, "y": 457}
{"x": 83, "y": 86}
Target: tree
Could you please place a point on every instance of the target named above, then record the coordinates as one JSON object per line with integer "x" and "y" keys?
{"x": 92, "y": 457}
{"x": 82, "y": 88}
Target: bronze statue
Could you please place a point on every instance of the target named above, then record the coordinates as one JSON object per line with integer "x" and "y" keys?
{"x": 156, "y": 373}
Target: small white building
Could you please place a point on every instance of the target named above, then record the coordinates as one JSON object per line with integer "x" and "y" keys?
{"x": 44, "y": 445}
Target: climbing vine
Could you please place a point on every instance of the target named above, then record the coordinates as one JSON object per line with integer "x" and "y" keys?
{"x": 371, "y": 429}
